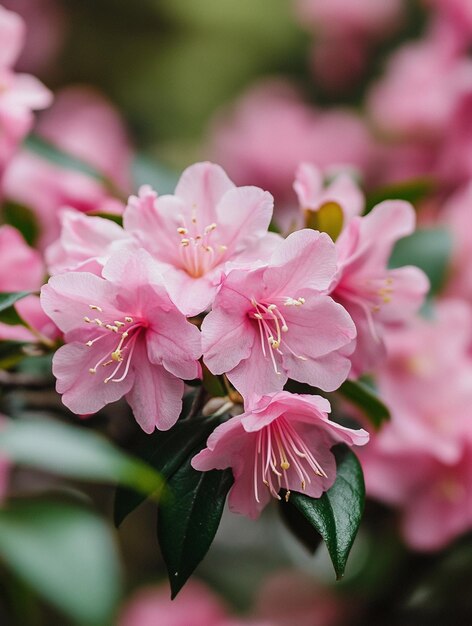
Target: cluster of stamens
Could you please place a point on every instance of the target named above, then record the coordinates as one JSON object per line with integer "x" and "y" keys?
{"x": 198, "y": 251}
{"x": 278, "y": 448}
{"x": 128, "y": 331}
{"x": 272, "y": 326}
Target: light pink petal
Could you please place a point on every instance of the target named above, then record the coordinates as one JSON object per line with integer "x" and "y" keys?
{"x": 12, "y": 31}
{"x": 190, "y": 295}
{"x": 305, "y": 260}
{"x": 83, "y": 392}
{"x": 256, "y": 374}
{"x": 174, "y": 343}
{"x": 31, "y": 311}
{"x": 308, "y": 185}
{"x": 228, "y": 439}
{"x": 227, "y": 339}
{"x": 28, "y": 92}
{"x": 21, "y": 267}
{"x": 156, "y": 396}
{"x": 202, "y": 186}
{"x": 410, "y": 286}
{"x": 243, "y": 216}
{"x": 67, "y": 299}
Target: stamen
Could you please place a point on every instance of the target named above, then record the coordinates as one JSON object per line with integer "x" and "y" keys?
{"x": 94, "y": 307}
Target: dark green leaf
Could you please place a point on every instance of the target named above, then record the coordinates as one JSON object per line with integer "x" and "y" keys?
{"x": 74, "y": 452}
{"x": 66, "y": 554}
{"x": 188, "y": 520}
{"x": 23, "y": 219}
{"x": 11, "y": 352}
{"x": 165, "y": 451}
{"x": 7, "y": 300}
{"x": 336, "y": 516}
{"x": 412, "y": 191}
{"x": 365, "y": 398}
{"x": 430, "y": 249}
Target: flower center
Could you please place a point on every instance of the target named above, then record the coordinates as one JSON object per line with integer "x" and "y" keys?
{"x": 199, "y": 252}
{"x": 127, "y": 331}
{"x": 272, "y": 326}
{"x": 278, "y": 449}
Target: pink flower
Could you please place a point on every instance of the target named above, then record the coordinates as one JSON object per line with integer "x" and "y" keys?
{"x": 434, "y": 497}
{"x": 457, "y": 216}
{"x": 20, "y": 94}
{"x": 313, "y": 194}
{"x": 85, "y": 243}
{"x": 85, "y": 125}
{"x": 21, "y": 267}
{"x": 4, "y": 466}
{"x": 274, "y": 322}
{"x": 282, "y": 441}
{"x": 427, "y": 383}
{"x": 124, "y": 337}
{"x": 271, "y": 130}
{"x": 195, "y": 605}
{"x": 375, "y": 296}
{"x": 194, "y": 233}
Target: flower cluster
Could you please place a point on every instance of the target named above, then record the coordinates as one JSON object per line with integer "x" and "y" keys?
{"x": 196, "y": 276}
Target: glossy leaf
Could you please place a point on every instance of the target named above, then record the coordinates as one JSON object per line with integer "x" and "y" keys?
{"x": 74, "y": 452}
{"x": 189, "y": 518}
{"x": 65, "y": 554}
{"x": 23, "y": 219}
{"x": 365, "y": 398}
{"x": 336, "y": 516}
{"x": 430, "y": 249}
{"x": 8, "y": 314}
{"x": 165, "y": 451}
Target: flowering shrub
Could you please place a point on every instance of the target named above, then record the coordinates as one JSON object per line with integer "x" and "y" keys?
{"x": 236, "y": 342}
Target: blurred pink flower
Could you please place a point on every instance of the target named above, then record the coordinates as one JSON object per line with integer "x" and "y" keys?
{"x": 282, "y": 441}
{"x": 457, "y": 216}
{"x": 135, "y": 335}
{"x": 293, "y": 598}
{"x": 21, "y": 267}
{"x": 20, "y": 94}
{"x": 434, "y": 497}
{"x": 83, "y": 124}
{"x": 271, "y": 130}
{"x": 45, "y": 22}
{"x": 373, "y": 295}
{"x": 312, "y": 194}
{"x": 194, "y": 233}
{"x": 275, "y": 322}
{"x": 419, "y": 92}
{"x": 195, "y": 605}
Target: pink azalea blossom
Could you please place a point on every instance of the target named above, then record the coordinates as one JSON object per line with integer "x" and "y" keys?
{"x": 85, "y": 243}
{"x": 312, "y": 194}
{"x": 434, "y": 497}
{"x": 426, "y": 381}
{"x": 85, "y": 125}
{"x": 457, "y": 216}
{"x": 20, "y": 94}
{"x": 194, "y": 233}
{"x": 271, "y": 130}
{"x": 375, "y": 296}
{"x": 21, "y": 267}
{"x": 124, "y": 337}
{"x": 275, "y": 322}
{"x": 282, "y": 441}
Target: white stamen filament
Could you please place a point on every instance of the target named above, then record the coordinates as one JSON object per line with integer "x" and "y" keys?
{"x": 197, "y": 249}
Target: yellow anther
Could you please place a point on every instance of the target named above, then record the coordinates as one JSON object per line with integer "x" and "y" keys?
{"x": 182, "y": 231}
{"x": 87, "y": 319}
{"x": 111, "y": 327}
{"x": 185, "y": 242}
{"x": 210, "y": 228}
{"x": 94, "y": 307}
{"x": 128, "y": 320}
{"x": 285, "y": 465}
{"x": 118, "y": 323}
{"x": 89, "y": 343}
{"x": 98, "y": 322}
{"x": 284, "y": 328}
{"x": 92, "y": 370}
{"x": 287, "y": 496}
{"x": 222, "y": 248}
{"x": 117, "y": 355}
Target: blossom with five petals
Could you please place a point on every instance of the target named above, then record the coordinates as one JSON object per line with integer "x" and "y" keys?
{"x": 276, "y": 321}
{"x": 282, "y": 441}
{"x": 124, "y": 337}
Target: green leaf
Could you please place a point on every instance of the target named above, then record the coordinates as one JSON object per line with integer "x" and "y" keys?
{"x": 165, "y": 451}
{"x": 365, "y": 398}
{"x": 411, "y": 190}
{"x": 336, "y": 516}
{"x": 11, "y": 352}
{"x": 328, "y": 218}
{"x": 189, "y": 518}
{"x": 146, "y": 171}
{"x": 74, "y": 452}
{"x": 66, "y": 554}
{"x": 430, "y": 249}
{"x": 7, "y": 300}
{"x": 23, "y": 219}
